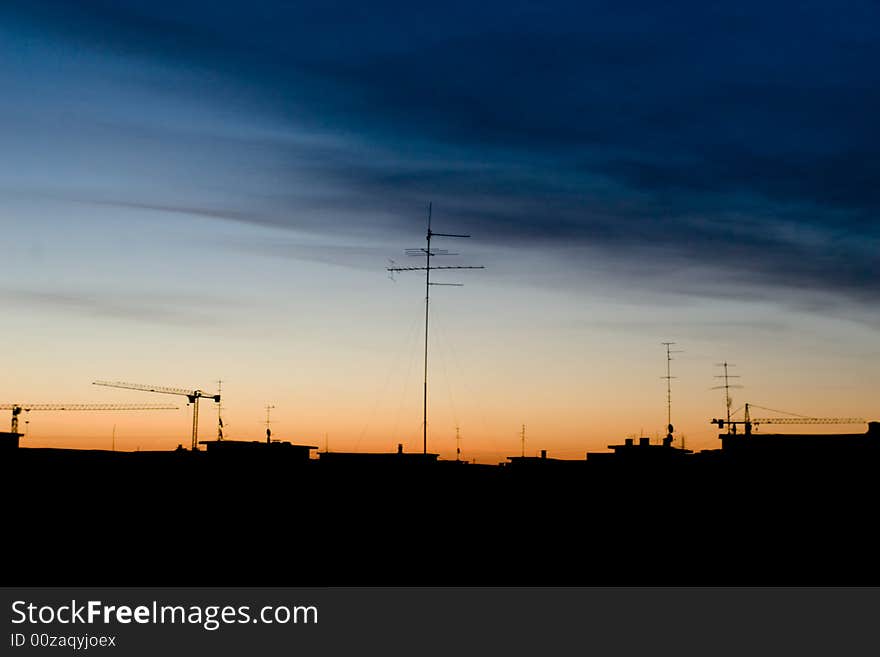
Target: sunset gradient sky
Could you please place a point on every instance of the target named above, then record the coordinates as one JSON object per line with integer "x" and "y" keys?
{"x": 199, "y": 190}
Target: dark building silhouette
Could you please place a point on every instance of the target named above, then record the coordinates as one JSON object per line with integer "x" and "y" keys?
{"x": 773, "y": 448}
{"x": 9, "y": 440}
{"x": 368, "y": 459}
{"x": 252, "y": 514}
{"x": 542, "y": 463}
{"x": 258, "y": 449}
{"x": 640, "y": 453}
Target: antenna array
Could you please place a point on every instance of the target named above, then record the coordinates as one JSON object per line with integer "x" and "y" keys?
{"x": 669, "y": 377}
{"x": 428, "y": 253}
{"x": 726, "y": 387}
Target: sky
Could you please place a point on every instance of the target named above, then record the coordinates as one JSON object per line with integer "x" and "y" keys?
{"x": 195, "y": 191}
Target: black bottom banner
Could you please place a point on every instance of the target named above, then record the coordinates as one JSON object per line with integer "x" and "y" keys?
{"x": 413, "y": 621}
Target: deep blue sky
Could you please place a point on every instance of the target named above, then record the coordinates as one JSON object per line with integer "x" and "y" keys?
{"x": 740, "y": 135}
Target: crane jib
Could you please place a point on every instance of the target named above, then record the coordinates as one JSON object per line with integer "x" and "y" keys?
{"x": 192, "y": 395}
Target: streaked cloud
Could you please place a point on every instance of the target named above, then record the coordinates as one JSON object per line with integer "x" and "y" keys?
{"x": 175, "y": 310}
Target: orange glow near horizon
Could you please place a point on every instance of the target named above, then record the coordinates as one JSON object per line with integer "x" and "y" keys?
{"x": 568, "y": 422}
{"x": 580, "y": 367}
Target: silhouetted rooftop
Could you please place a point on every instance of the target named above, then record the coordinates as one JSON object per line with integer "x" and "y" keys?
{"x": 643, "y": 451}
{"x": 9, "y": 440}
{"x": 377, "y": 457}
{"x": 216, "y": 445}
{"x": 792, "y": 443}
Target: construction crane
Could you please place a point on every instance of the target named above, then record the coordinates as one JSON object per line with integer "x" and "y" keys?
{"x": 17, "y": 409}
{"x": 748, "y": 422}
{"x": 192, "y": 395}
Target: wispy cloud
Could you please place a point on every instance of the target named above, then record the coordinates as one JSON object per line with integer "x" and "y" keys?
{"x": 174, "y": 310}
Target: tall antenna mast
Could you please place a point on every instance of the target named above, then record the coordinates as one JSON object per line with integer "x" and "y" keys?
{"x": 522, "y": 438}
{"x": 457, "y": 444}
{"x": 726, "y": 387}
{"x": 669, "y": 377}
{"x": 269, "y": 408}
{"x": 428, "y": 252}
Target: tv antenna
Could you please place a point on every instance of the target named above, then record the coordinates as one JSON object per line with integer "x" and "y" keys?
{"x": 219, "y": 411}
{"x": 669, "y": 377}
{"x": 269, "y": 408}
{"x": 522, "y": 439}
{"x": 457, "y": 444}
{"x": 726, "y": 386}
{"x": 428, "y": 253}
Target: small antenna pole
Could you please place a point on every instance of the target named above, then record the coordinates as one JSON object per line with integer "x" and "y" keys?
{"x": 428, "y": 268}
{"x": 269, "y": 408}
{"x": 220, "y": 410}
{"x": 427, "y": 301}
{"x": 669, "y": 377}
{"x": 726, "y": 386}
{"x": 727, "y": 392}
{"x": 457, "y": 444}
{"x": 522, "y": 438}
